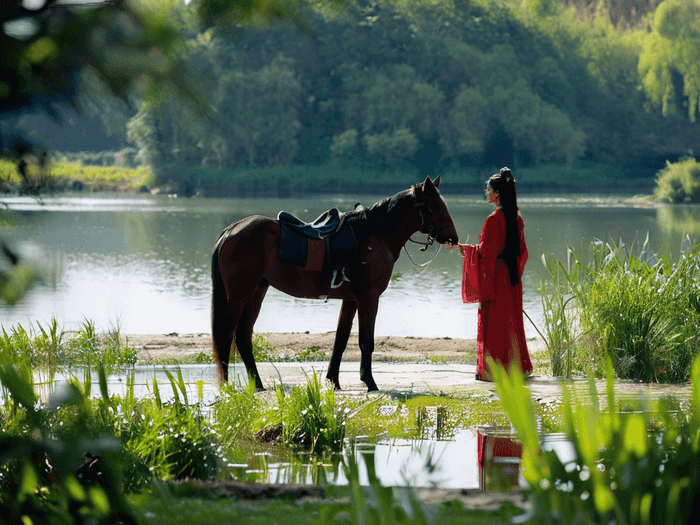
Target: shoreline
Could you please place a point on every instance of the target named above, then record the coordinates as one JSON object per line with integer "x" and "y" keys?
{"x": 289, "y": 344}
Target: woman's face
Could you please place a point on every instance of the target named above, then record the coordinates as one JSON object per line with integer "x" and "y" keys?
{"x": 491, "y": 195}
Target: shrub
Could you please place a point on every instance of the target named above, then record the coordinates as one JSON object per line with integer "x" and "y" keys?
{"x": 679, "y": 181}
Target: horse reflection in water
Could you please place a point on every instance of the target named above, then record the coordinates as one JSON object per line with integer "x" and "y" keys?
{"x": 246, "y": 261}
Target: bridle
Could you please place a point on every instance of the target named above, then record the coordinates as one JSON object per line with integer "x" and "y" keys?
{"x": 426, "y": 228}
{"x": 425, "y": 225}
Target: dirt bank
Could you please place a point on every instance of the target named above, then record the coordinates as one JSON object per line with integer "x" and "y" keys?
{"x": 387, "y": 348}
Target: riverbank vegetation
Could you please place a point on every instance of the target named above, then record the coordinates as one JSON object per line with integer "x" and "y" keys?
{"x": 625, "y": 467}
{"x": 59, "y": 175}
{"x": 142, "y": 442}
{"x": 571, "y": 95}
{"x": 151, "y": 449}
{"x": 626, "y": 304}
{"x": 679, "y": 182}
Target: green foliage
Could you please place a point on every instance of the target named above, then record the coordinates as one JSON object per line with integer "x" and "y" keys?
{"x": 37, "y": 468}
{"x": 312, "y": 417}
{"x": 389, "y": 86}
{"x": 49, "y": 348}
{"x": 44, "y": 60}
{"x": 59, "y": 176}
{"x": 634, "y": 468}
{"x": 625, "y": 305}
{"x": 673, "y": 46}
{"x": 238, "y": 413}
{"x": 171, "y": 441}
{"x": 679, "y": 181}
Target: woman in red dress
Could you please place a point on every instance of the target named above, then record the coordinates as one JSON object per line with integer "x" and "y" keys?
{"x": 492, "y": 275}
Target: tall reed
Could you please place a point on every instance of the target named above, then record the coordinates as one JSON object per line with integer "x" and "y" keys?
{"x": 636, "y": 468}
{"x": 627, "y": 304}
{"x": 50, "y": 347}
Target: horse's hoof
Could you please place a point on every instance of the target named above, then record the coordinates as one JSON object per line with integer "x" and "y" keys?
{"x": 372, "y": 387}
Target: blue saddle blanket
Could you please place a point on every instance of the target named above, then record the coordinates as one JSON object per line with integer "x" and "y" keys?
{"x": 340, "y": 245}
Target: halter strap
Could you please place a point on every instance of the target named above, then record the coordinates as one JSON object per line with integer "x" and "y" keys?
{"x": 424, "y": 223}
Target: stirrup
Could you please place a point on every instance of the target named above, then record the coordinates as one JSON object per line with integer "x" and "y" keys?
{"x": 338, "y": 278}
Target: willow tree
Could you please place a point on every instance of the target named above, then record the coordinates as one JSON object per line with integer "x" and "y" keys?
{"x": 671, "y": 57}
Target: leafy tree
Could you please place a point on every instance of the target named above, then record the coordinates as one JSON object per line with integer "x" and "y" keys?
{"x": 344, "y": 147}
{"x": 673, "y": 48}
{"x": 392, "y": 147}
{"x": 463, "y": 132}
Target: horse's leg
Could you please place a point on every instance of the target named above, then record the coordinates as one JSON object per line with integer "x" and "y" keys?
{"x": 367, "y": 311}
{"x": 223, "y": 330}
{"x": 244, "y": 333}
{"x": 342, "y": 334}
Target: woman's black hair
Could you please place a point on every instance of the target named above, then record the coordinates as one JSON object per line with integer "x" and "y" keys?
{"x": 504, "y": 183}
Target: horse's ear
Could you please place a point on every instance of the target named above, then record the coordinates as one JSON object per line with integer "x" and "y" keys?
{"x": 427, "y": 183}
{"x": 436, "y": 182}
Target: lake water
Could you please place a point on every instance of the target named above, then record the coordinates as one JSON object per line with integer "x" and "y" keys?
{"x": 142, "y": 263}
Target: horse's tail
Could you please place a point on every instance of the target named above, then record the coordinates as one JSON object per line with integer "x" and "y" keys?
{"x": 219, "y": 306}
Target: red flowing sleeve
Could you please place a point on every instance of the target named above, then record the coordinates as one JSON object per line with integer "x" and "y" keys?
{"x": 480, "y": 261}
{"x": 523, "y": 247}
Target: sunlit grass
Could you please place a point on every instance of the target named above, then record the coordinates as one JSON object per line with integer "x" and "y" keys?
{"x": 58, "y": 175}
{"x": 47, "y": 348}
{"x": 627, "y": 304}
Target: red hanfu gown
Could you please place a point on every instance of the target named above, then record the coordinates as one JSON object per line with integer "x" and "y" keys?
{"x": 485, "y": 279}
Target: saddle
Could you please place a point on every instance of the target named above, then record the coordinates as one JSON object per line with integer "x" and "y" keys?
{"x": 329, "y": 242}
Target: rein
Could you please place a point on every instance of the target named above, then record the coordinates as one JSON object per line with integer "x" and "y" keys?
{"x": 426, "y": 247}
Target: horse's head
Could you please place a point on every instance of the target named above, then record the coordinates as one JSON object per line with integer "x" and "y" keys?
{"x": 436, "y": 219}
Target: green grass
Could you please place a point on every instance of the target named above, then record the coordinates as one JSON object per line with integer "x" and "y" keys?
{"x": 197, "y": 510}
{"x": 153, "y": 440}
{"x": 47, "y": 348}
{"x": 635, "y": 467}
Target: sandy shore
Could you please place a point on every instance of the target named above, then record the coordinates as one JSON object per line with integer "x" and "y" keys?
{"x": 387, "y": 348}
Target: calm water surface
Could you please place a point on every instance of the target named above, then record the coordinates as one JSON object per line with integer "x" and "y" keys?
{"x": 142, "y": 263}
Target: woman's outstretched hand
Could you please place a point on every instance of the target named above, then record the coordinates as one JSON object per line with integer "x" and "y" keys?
{"x": 462, "y": 247}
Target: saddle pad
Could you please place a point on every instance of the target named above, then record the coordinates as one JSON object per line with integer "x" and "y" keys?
{"x": 343, "y": 247}
{"x": 299, "y": 250}
{"x": 293, "y": 246}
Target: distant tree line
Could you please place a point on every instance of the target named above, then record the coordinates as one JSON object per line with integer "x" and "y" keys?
{"x": 400, "y": 85}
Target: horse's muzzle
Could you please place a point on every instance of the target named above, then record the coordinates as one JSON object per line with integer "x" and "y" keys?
{"x": 454, "y": 239}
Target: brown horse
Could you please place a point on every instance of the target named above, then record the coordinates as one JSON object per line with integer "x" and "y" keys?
{"x": 245, "y": 262}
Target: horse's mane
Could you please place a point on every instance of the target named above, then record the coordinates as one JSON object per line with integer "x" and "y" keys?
{"x": 376, "y": 218}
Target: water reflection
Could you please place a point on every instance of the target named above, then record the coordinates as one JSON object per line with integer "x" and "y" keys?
{"x": 680, "y": 220}
{"x": 499, "y": 454}
{"x": 396, "y": 462}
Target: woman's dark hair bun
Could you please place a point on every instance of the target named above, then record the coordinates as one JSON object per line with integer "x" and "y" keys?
{"x": 506, "y": 174}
